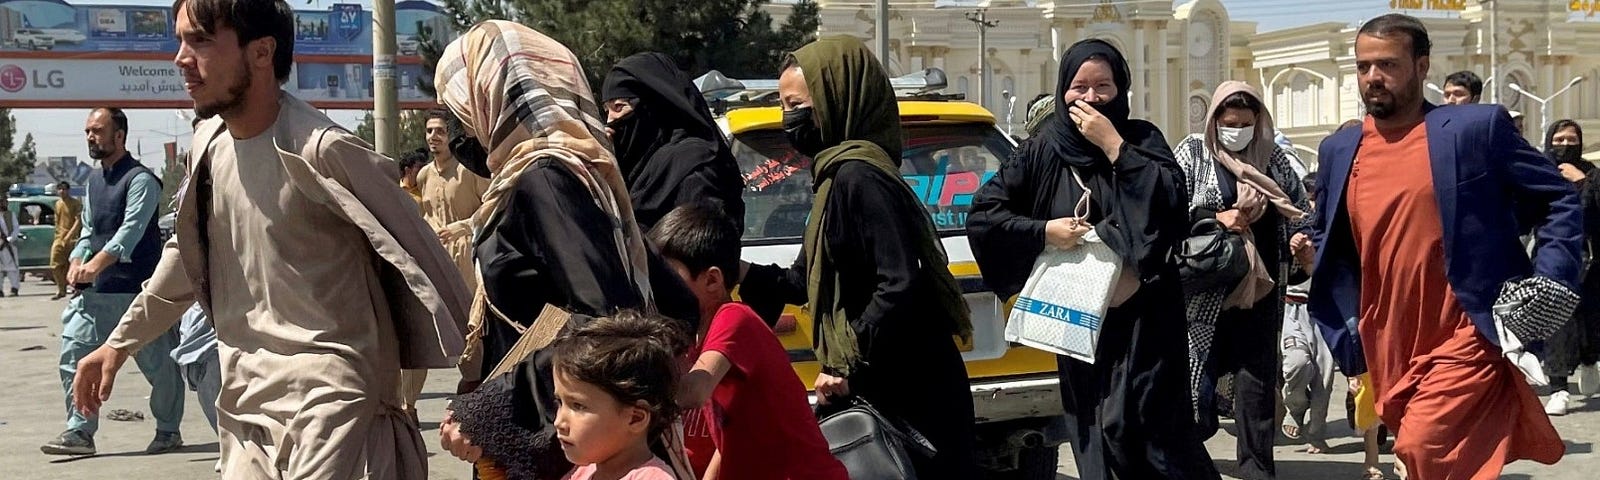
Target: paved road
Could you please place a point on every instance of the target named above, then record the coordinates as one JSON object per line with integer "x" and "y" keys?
{"x": 31, "y": 413}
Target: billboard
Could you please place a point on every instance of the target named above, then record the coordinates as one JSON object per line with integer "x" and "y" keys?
{"x": 58, "y": 55}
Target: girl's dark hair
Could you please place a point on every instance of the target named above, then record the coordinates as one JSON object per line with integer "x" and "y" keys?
{"x": 632, "y": 356}
{"x": 1239, "y": 100}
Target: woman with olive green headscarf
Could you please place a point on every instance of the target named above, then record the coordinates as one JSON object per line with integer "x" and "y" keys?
{"x": 873, "y": 272}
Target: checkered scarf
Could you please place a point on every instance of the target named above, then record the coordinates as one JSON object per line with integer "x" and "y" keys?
{"x": 525, "y": 97}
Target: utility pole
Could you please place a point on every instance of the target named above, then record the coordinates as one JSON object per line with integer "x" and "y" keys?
{"x": 385, "y": 105}
{"x": 981, "y": 18}
{"x": 883, "y": 33}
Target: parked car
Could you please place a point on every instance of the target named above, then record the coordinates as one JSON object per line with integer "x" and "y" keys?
{"x": 37, "y": 214}
{"x": 951, "y": 148}
{"x": 407, "y": 44}
{"x": 32, "y": 39}
{"x": 165, "y": 223}
{"x": 64, "y": 35}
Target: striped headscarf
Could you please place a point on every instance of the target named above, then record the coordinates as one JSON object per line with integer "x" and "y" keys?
{"x": 525, "y": 97}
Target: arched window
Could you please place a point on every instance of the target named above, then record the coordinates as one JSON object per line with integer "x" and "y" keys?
{"x": 1298, "y": 102}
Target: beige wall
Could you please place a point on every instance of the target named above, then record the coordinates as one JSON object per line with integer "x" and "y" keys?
{"x": 1538, "y": 49}
{"x": 1307, "y": 72}
{"x": 1025, "y": 48}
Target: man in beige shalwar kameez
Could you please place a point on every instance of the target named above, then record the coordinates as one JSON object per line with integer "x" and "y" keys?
{"x": 450, "y": 195}
{"x": 321, "y": 279}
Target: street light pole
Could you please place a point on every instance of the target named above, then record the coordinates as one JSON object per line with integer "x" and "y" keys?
{"x": 981, "y": 18}
{"x": 1544, "y": 103}
{"x": 385, "y": 104}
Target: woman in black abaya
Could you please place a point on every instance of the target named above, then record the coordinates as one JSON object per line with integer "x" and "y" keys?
{"x": 872, "y": 271}
{"x": 1576, "y": 347}
{"x": 668, "y": 147}
{"x": 1128, "y": 414}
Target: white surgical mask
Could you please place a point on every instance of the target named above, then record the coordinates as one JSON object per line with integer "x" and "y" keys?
{"x": 1236, "y": 139}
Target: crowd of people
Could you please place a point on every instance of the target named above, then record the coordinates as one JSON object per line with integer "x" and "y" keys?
{"x": 574, "y": 256}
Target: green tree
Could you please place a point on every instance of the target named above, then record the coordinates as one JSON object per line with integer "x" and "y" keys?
{"x": 172, "y": 175}
{"x": 736, "y": 37}
{"x": 430, "y": 46}
{"x": 412, "y": 130}
{"x": 14, "y": 165}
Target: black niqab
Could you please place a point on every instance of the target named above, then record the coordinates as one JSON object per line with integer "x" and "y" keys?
{"x": 669, "y": 149}
{"x": 1571, "y": 155}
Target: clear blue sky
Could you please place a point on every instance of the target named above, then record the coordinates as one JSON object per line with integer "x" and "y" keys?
{"x": 59, "y": 132}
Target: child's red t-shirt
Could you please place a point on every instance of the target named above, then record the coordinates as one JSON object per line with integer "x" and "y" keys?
{"x": 758, "y": 415}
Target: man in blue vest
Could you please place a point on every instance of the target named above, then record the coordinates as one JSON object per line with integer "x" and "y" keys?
{"x": 117, "y": 251}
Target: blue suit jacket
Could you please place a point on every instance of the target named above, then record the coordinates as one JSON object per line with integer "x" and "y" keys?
{"x": 1490, "y": 186}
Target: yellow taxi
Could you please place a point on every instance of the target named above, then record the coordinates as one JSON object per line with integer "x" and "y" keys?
{"x": 952, "y": 148}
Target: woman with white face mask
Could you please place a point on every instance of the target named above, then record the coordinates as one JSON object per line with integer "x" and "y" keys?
{"x": 1237, "y": 175}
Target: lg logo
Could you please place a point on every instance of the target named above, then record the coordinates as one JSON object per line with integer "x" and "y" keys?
{"x": 13, "y": 79}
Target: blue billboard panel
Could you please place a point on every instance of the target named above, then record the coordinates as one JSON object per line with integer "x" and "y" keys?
{"x": 55, "y": 26}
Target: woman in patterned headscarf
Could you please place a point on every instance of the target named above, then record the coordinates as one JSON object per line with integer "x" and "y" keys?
{"x": 1238, "y": 176}
{"x": 556, "y": 227}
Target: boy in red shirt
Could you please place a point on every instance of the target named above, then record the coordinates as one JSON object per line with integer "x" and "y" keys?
{"x": 760, "y": 421}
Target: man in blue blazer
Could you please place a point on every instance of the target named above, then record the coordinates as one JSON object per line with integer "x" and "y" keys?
{"x": 1416, "y": 235}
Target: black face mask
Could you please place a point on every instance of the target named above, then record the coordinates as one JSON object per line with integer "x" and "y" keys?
{"x": 631, "y": 139}
{"x": 1567, "y": 153}
{"x": 471, "y": 154}
{"x": 803, "y": 133}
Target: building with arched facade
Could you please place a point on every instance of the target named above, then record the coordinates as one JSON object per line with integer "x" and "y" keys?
{"x": 1310, "y": 73}
{"x": 1174, "y": 52}
{"x": 1180, "y": 53}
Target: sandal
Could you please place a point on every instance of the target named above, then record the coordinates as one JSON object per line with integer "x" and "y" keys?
{"x": 1373, "y": 473}
{"x": 1291, "y": 431}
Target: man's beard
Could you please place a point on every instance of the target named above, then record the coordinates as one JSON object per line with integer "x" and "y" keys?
{"x": 233, "y": 100}
{"x": 1382, "y": 110}
{"x": 98, "y": 153}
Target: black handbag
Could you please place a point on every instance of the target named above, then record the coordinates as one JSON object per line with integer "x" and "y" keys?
{"x": 1212, "y": 257}
{"x": 870, "y": 445}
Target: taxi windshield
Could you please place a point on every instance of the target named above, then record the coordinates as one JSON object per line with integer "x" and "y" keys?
{"x": 944, "y": 164}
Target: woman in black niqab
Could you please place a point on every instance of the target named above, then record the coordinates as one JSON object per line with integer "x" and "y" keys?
{"x": 1127, "y": 413}
{"x": 669, "y": 148}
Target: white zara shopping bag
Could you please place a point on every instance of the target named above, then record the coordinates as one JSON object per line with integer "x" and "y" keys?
{"x": 1061, "y": 307}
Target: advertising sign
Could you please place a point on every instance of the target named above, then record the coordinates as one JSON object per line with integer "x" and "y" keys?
{"x": 59, "y": 55}
{"x": 1434, "y": 5}
{"x": 44, "y": 83}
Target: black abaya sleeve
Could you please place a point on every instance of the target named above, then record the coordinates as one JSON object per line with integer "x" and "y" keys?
{"x": 1006, "y": 239}
{"x": 1147, "y": 209}
{"x": 768, "y": 288}
{"x": 552, "y": 244}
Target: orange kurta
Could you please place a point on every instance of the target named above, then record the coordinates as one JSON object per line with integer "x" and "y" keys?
{"x": 1459, "y": 409}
